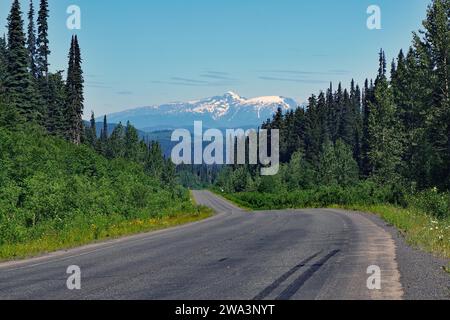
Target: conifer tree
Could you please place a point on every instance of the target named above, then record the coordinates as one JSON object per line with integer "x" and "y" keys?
{"x": 131, "y": 143}
{"x": 74, "y": 91}
{"x": 115, "y": 145}
{"x": 104, "y": 132}
{"x": 355, "y": 98}
{"x": 18, "y": 82}
{"x": 169, "y": 175}
{"x": 384, "y": 134}
{"x": 3, "y": 65}
{"x": 43, "y": 50}
{"x": 332, "y": 112}
{"x": 55, "y": 119}
{"x": 347, "y": 120}
{"x": 437, "y": 44}
{"x": 365, "y": 143}
{"x": 91, "y": 132}
{"x": 323, "y": 118}
{"x": 155, "y": 161}
{"x": 312, "y": 131}
{"x": 31, "y": 43}
{"x": 337, "y": 113}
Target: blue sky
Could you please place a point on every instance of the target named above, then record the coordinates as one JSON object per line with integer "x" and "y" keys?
{"x": 141, "y": 52}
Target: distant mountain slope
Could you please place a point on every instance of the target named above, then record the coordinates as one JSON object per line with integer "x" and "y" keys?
{"x": 163, "y": 137}
{"x": 227, "y": 111}
{"x": 111, "y": 127}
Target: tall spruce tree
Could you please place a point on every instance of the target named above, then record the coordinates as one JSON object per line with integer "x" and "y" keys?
{"x": 91, "y": 132}
{"x": 437, "y": 43}
{"x": 347, "y": 125}
{"x": 74, "y": 91}
{"x": 384, "y": 132}
{"x": 3, "y": 65}
{"x": 131, "y": 143}
{"x": 312, "y": 131}
{"x": 43, "y": 50}
{"x": 155, "y": 161}
{"x": 31, "y": 43}
{"x": 55, "y": 120}
{"x": 115, "y": 145}
{"x": 368, "y": 100}
{"x": 104, "y": 132}
{"x": 18, "y": 83}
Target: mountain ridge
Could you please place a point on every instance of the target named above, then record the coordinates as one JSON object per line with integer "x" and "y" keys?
{"x": 229, "y": 110}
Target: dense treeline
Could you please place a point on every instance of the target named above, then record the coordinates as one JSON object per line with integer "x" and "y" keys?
{"x": 47, "y": 185}
{"x": 30, "y": 94}
{"x": 123, "y": 142}
{"x": 393, "y": 132}
{"x": 58, "y": 180}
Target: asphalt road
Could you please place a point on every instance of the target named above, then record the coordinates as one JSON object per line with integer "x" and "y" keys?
{"x": 290, "y": 254}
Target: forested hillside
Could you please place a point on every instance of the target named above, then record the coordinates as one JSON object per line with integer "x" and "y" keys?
{"x": 387, "y": 142}
{"x": 60, "y": 184}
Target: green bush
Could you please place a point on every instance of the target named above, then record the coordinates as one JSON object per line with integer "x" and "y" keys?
{"x": 364, "y": 193}
{"x": 432, "y": 202}
{"x": 48, "y": 185}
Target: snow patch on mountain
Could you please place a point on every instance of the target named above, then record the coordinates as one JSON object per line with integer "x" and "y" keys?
{"x": 226, "y": 111}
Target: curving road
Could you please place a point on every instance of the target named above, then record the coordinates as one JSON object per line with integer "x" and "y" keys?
{"x": 290, "y": 254}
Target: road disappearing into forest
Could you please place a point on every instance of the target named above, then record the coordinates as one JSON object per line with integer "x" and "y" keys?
{"x": 286, "y": 254}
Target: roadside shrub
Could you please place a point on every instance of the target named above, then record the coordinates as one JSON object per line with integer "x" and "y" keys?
{"x": 432, "y": 202}
{"x": 48, "y": 186}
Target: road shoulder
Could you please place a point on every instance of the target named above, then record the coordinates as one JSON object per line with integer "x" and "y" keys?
{"x": 422, "y": 273}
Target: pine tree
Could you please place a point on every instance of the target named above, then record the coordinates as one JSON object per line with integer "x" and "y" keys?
{"x": 384, "y": 131}
{"x": 312, "y": 131}
{"x": 18, "y": 82}
{"x": 365, "y": 143}
{"x": 436, "y": 42}
{"x": 131, "y": 143}
{"x": 55, "y": 119}
{"x": 155, "y": 161}
{"x": 91, "y": 132}
{"x": 31, "y": 43}
{"x": 347, "y": 120}
{"x": 3, "y": 65}
{"x": 382, "y": 65}
{"x": 337, "y": 113}
{"x": 168, "y": 176}
{"x": 355, "y": 98}
{"x": 322, "y": 114}
{"x": 43, "y": 50}
{"x": 116, "y": 143}
{"x": 336, "y": 165}
{"x": 104, "y": 132}
{"x": 332, "y": 113}
{"x": 74, "y": 89}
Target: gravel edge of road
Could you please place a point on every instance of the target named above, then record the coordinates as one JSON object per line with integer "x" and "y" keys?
{"x": 421, "y": 271}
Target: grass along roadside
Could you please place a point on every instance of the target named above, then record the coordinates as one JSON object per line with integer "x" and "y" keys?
{"x": 420, "y": 229}
{"x": 83, "y": 231}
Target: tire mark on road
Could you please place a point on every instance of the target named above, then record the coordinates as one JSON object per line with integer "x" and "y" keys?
{"x": 293, "y": 288}
{"x": 265, "y": 293}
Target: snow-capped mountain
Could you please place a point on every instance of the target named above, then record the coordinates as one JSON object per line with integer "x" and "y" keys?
{"x": 227, "y": 111}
